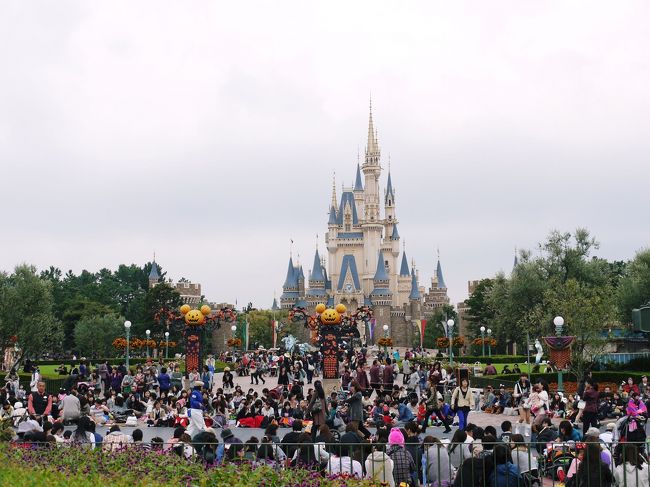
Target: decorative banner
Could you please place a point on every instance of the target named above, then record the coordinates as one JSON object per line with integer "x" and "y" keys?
{"x": 246, "y": 335}
{"x": 559, "y": 343}
{"x": 274, "y": 332}
{"x": 422, "y": 324}
{"x": 192, "y": 351}
{"x": 373, "y": 322}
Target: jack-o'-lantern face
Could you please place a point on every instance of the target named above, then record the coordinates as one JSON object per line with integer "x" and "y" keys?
{"x": 330, "y": 317}
{"x": 194, "y": 318}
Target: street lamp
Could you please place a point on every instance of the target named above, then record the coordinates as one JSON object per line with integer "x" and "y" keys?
{"x": 148, "y": 332}
{"x": 558, "y": 321}
{"x": 483, "y": 339}
{"x": 489, "y": 332}
{"x": 233, "y": 328}
{"x": 385, "y": 336}
{"x": 127, "y": 327}
{"x": 166, "y": 344}
{"x": 450, "y": 337}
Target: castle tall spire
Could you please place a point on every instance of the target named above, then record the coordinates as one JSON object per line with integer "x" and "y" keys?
{"x": 333, "y": 191}
{"x": 415, "y": 291}
{"x": 372, "y": 146}
{"x": 358, "y": 185}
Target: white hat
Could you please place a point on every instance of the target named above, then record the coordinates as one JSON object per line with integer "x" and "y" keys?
{"x": 198, "y": 383}
{"x": 610, "y": 426}
{"x": 18, "y": 405}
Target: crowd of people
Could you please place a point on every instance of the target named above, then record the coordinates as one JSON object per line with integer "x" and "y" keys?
{"x": 409, "y": 404}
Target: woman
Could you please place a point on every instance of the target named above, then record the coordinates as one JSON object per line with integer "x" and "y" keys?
{"x": 557, "y": 405}
{"x": 590, "y": 411}
{"x": 568, "y": 432}
{"x": 538, "y": 403}
{"x": 379, "y": 466}
{"x": 462, "y": 401}
{"x": 591, "y": 470}
{"x": 629, "y": 387}
{"x": 634, "y": 470}
{"x": 459, "y": 449}
{"x": 522, "y": 457}
{"x": 520, "y": 395}
{"x": 355, "y": 404}
{"x": 128, "y": 381}
{"x": 439, "y": 470}
{"x": 317, "y": 408}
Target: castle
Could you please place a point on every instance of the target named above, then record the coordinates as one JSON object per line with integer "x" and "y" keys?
{"x": 363, "y": 260}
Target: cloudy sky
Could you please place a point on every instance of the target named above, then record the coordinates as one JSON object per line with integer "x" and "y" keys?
{"x": 208, "y": 131}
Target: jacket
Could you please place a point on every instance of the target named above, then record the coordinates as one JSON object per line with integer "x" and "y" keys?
{"x": 627, "y": 472}
{"x": 115, "y": 441}
{"x": 379, "y": 467}
{"x": 505, "y": 475}
{"x": 403, "y": 464}
{"x": 356, "y": 407}
{"x": 438, "y": 466}
{"x": 464, "y": 399}
{"x": 318, "y": 417}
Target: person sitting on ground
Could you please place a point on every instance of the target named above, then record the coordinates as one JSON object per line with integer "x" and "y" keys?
{"x": 404, "y": 467}
{"x": 489, "y": 369}
{"x": 505, "y": 473}
{"x": 568, "y": 432}
{"x": 521, "y": 456}
{"x": 545, "y": 434}
{"x": 439, "y": 470}
{"x": 634, "y": 469}
{"x": 506, "y": 431}
{"x": 506, "y": 370}
{"x": 116, "y": 440}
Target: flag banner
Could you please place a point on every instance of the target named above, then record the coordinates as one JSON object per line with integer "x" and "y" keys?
{"x": 246, "y": 335}
{"x": 423, "y": 325}
{"x": 372, "y": 330}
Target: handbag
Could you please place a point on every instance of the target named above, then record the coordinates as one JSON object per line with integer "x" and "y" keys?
{"x": 317, "y": 407}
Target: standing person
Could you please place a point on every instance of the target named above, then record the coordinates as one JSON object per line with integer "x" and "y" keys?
{"x": 227, "y": 379}
{"x": 318, "y": 408}
{"x": 387, "y": 376}
{"x": 195, "y": 410}
{"x": 165, "y": 382}
{"x": 104, "y": 375}
{"x": 406, "y": 369}
{"x": 71, "y": 407}
{"x": 355, "y": 403}
{"x": 362, "y": 378}
{"x": 590, "y": 411}
{"x": 462, "y": 401}
{"x": 520, "y": 396}
{"x": 375, "y": 376}
{"x": 403, "y": 463}
{"x": 36, "y": 377}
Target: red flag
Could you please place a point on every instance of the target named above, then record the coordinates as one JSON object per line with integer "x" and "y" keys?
{"x": 423, "y": 325}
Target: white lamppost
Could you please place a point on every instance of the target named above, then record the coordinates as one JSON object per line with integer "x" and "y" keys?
{"x": 558, "y": 321}
{"x": 450, "y": 337}
{"x": 233, "y": 328}
{"x": 483, "y": 339}
{"x": 489, "y": 333}
{"x": 148, "y": 332}
{"x": 127, "y": 327}
{"x": 166, "y": 344}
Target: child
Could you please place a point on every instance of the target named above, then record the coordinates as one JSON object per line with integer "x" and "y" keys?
{"x": 445, "y": 414}
{"x": 506, "y": 428}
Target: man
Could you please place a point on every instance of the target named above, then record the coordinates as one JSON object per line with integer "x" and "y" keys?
{"x": 71, "y": 407}
{"x": 195, "y": 411}
{"x": 375, "y": 376}
{"x": 290, "y": 440}
{"x": 490, "y": 369}
{"x": 39, "y": 403}
{"x": 387, "y": 376}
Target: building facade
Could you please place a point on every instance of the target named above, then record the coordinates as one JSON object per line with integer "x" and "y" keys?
{"x": 364, "y": 264}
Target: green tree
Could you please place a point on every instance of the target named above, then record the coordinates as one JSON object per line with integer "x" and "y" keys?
{"x": 435, "y": 325}
{"x": 634, "y": 288}
{"x": 26, "y": 311}
{"x": 94, "y": 335}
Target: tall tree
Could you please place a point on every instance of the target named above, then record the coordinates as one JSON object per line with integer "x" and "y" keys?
{"x": 436, "y": 322}
{"x": 26, "y": 312}
{"x": 94, "y": 335}
{"x": 634, "y": 287}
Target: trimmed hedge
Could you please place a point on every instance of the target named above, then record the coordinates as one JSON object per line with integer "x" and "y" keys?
{"x": 495, "y": 359}
{"x": 510, "y": 379}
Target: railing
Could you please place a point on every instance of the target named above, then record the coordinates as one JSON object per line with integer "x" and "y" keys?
{"x": 435, "y": 464}
{"x": 621, "y": 358}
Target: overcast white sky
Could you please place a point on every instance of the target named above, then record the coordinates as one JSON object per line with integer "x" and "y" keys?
{"x": 208, "y": 131}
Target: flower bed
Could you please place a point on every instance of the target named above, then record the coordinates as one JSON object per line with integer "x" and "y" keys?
{"x": 81, "y": 467}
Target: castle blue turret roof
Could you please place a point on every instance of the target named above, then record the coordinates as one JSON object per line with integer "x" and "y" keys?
{"x": 358, "y": 186}
{"x": 347, "y": 197}
{"x": 275, "y": 306}
{"x": 317, "y": 270}
{"x": 404, "y": 269}
{"x": 154, "y": 275}
{"x": 395, "y": 234}
{"x": 415, "y": 291}
{"x": 381, "y": 278}
{"x": 291, "y": 279}
{"x": 441, "y": 279}
{"x": 332, "y": 220}
{"x": 389, "y": 190}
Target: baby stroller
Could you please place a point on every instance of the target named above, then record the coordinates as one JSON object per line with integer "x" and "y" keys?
{"x": 556, "y": 456}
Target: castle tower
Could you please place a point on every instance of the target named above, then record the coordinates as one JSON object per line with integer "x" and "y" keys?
{"x": 290, "y": 294}
{"x": 415, "y": 304}
{"x": 316, "y": 293}
{"x": 371, "y": 226}
{"x": 381, "y": 297}
{"x": 437, "y": 295}
{"x": 154, "y": 274}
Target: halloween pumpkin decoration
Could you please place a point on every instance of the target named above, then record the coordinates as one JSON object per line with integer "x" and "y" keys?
{"x": 195, "y": 317}
{"x": 320, "y": 308}
{"x": 185, "y": 309}
{"x": 330, "y": 317}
